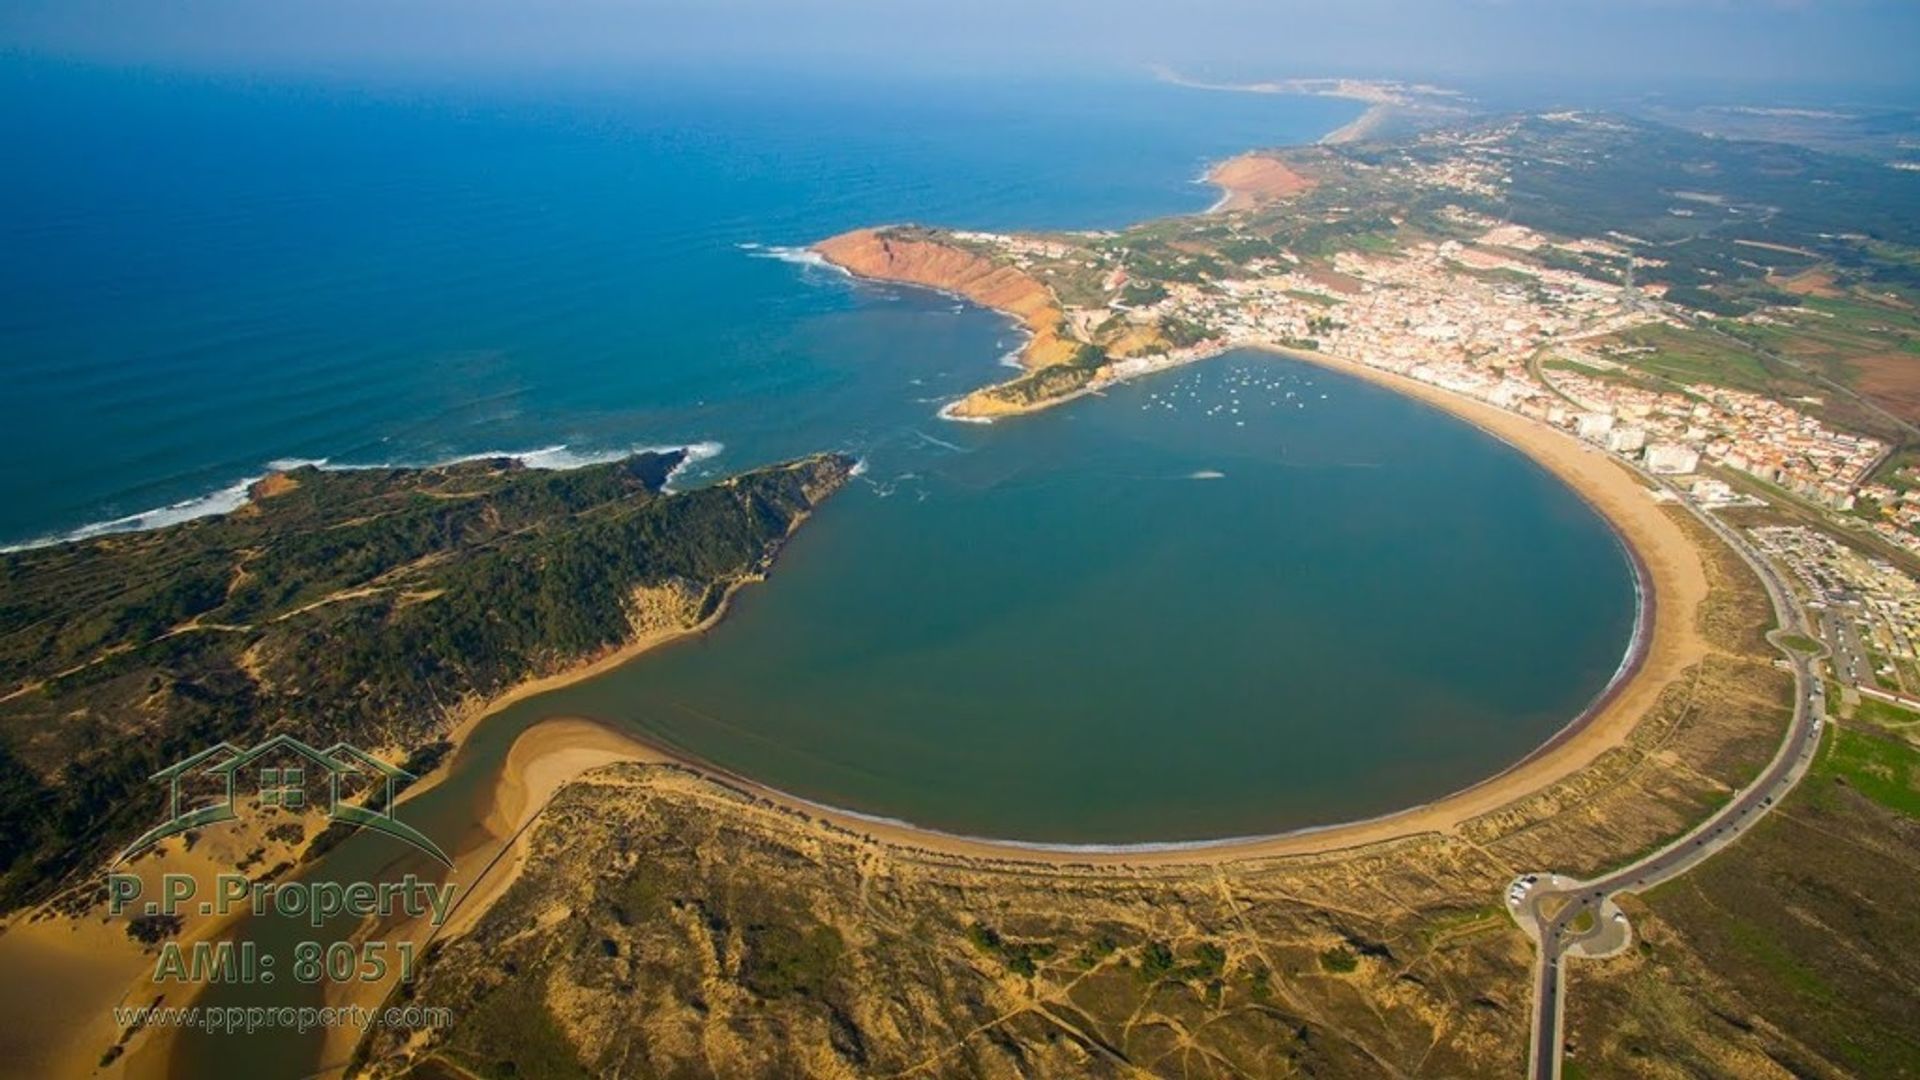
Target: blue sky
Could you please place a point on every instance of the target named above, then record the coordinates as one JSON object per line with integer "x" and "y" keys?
{"x": 1737, "y": 44}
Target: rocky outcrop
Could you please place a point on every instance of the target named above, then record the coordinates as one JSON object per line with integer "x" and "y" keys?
{"x": 916, "y": 258}
{"x": 1056, "y": 363}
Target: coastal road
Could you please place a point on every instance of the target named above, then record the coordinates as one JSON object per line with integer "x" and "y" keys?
{"x": 1570, "y": 917}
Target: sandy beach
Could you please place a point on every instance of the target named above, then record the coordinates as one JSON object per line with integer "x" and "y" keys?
{"x": 1670, "y": 644}
{"x": 66, "y": 974}
{"x": 474, "y": 715}
{"x": 544, "y": 759}
{"x": 1361, "y": 127}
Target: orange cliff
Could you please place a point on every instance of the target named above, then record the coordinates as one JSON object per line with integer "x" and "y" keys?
{"x": 1252, "y": 179}
{"x": 888, "y": 256}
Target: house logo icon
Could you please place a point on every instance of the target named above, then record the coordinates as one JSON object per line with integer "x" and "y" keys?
{"x": 284, "y": 765}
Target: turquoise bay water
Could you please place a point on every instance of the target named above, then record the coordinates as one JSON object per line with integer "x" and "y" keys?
{"x": 1247, "y": 597}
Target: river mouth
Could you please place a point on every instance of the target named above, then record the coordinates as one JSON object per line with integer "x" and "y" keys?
{"x": 1251, "y": 597}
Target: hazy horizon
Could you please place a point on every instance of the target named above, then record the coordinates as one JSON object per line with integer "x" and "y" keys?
{"x": 1701, "y": 48}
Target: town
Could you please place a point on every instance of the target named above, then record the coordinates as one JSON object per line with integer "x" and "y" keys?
{"x": 1486, "y": 319}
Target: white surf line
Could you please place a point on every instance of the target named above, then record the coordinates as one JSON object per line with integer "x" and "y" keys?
{"x": 225, "y": 500}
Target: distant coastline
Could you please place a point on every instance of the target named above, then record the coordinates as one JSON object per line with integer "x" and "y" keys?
{"x": 1389, "y": 102}
{"x": 1360, "y": 128}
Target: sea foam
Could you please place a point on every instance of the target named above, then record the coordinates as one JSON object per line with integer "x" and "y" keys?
{"x": 798, "y": 256}
{"x": 226, "y": 500}
{"x": 949, "y": 412}
{"x": 233, "y": 496}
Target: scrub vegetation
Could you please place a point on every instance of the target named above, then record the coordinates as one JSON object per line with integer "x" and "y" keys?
{"x": 372, "y": 606}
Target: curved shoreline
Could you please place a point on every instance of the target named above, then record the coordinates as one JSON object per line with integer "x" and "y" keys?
{"x": 1645, "y": 603}
{"x": 1668, "y": 574}
{"x": 1669, "y": 584}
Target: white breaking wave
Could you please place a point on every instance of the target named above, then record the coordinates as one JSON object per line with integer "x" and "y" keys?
{"x": 561, "y": 457}
{"x": 696, "y": 453}
{"x": 1207, "y": 474}
{"x": 232, "y": 497}
{"x": 798, "y": 256}
{"x": 224, "y": 501}
{"x": 947, "y": 413}
{"x": 545, "y": 457}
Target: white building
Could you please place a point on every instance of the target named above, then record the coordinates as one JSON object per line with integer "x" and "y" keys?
{"x": 1708, "y": 490}
{"x": 1672, "y": 459}
{"x": 1593, "y": 426}
{"x": 1626, "y": 440}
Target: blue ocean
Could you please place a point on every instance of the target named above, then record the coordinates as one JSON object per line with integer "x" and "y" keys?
{"x": 203, "y": 278}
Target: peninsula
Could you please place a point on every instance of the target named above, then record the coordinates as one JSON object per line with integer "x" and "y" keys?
{"x": 1055, "y": 361}
{"x": 391, "y": 608}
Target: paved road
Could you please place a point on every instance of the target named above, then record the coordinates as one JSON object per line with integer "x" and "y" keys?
{"x": 1555, "y": 933}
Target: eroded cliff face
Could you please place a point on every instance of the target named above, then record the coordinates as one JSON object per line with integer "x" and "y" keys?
{"x": 885, "y": 255}
{"x": 1251, "y": 180}
{"x": 1052, "y": 357}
